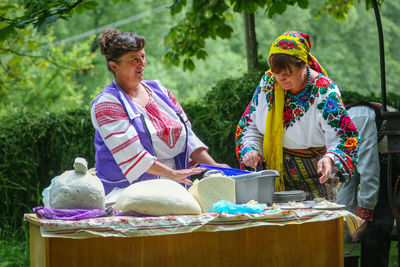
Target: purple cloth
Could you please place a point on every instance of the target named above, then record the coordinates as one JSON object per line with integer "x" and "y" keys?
{"x": 70, "y": 214}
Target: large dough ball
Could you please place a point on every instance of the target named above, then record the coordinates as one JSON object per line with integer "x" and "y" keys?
{"x": 157, "y": 197}
{"x": 77, "y": 189}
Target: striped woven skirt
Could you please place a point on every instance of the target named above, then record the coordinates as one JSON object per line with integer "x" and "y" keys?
{"x": 300, "y": 173}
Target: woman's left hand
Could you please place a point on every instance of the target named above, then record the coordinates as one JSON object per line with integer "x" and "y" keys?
{"x": 356, "y": 235}
{"x": 325, "y": 166}
{"x": 201, "y": 156}
{"x": 221, "y": 165}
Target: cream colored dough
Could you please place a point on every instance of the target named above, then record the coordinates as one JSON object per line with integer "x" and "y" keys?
{"x": 157, "y": 197}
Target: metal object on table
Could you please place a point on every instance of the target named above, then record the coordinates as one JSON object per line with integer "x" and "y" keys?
{"x": 258, "y": 186}
{"x": 291, "y": 195}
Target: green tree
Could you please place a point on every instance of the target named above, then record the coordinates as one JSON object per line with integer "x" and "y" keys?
{"x": 37, "y": 13}
{"x": 153, "y": 22}
{"x": 347, "y": 50}
{"x": 37, "y": 76}
{"x": 206, "y": 19}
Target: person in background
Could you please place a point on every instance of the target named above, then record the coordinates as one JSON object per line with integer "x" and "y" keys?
{"x": 141, "y": 131}
{"x": 366, "y": 193}
{"x": 296, "y": 123}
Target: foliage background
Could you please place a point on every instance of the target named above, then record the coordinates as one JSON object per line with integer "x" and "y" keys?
{"x": 348, "y": 51}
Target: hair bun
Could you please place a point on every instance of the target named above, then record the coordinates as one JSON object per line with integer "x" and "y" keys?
{"x": 105, "y": 38}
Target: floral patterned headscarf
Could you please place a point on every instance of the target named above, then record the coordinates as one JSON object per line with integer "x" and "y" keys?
{"x": 296, "y": 44}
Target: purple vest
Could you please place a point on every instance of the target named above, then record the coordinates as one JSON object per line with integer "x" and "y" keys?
{"x": 107, "y": 168}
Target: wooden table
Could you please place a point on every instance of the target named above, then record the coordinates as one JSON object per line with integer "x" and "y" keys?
{"x": 317, "y": 243}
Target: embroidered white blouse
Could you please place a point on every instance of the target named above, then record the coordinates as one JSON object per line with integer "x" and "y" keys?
{"x": 315, "y": 117}
{"x": 167, "y": 132}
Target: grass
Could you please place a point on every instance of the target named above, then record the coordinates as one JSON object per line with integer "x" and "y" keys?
{"x": 356, "y": 251}
{"x": 14, "y": 247}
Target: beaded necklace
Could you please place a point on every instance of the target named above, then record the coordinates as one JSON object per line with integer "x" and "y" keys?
{"x": 308, "y": 77}
{"x": 305, "y": 90}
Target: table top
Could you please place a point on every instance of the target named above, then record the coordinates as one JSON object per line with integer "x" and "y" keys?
{"x": 129, "y": 226}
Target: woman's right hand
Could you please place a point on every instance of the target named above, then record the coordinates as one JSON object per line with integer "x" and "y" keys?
{"x": 181, "y": 176}
{"x": 252, "y": 158}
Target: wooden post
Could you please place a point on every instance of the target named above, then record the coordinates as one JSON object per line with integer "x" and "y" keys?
{"x": 251, "y": 41}
{"x": 381, "y": 54}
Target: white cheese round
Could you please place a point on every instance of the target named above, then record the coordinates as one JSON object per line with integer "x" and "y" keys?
{"x": 212, "y": 189}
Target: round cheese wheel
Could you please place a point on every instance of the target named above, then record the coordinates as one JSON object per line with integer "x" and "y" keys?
{"x": 157, "y": 197}
{"x": 212, "y": 189}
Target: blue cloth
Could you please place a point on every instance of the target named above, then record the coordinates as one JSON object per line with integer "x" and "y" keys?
{"x": 228, "y": 207}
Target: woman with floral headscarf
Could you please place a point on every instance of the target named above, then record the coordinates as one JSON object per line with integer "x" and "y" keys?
{"x": 296, "y": 122}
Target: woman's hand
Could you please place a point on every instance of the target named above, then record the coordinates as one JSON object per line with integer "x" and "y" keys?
{"x": 325, "y": 166}
{"x": 201, "y": 156}
{"x": 181, "y": 176}
{"x": 221, "y": 165}
{"x": 356, "y": 235}
{"x": 252, "y": 158}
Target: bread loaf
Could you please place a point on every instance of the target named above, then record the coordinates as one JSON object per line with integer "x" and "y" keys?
{"x": 157, "y": 197}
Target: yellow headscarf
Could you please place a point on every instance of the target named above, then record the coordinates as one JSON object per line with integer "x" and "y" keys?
{"x": 296, "y": 44}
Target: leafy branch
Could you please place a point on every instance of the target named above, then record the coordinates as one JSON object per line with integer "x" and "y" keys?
{"x": 206, "y": 19}
{"x": 41, "y": 57}
{"x": 41, "y": 13}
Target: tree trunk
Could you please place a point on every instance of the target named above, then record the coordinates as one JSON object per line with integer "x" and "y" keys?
{"x": 251, "y": 41}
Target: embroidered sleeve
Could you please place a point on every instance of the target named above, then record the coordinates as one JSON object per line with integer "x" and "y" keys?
{"x": 340, "y": 132}
{"x": 365, "y": 214}
{"x": 193, "y": 141}
{"x": 247, "y": 136}
{"x": 121, "y": 138}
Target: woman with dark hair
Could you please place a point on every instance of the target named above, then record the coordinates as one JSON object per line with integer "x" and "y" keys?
{"x": 141, "y": 132}
{"x": 296, "y": 123}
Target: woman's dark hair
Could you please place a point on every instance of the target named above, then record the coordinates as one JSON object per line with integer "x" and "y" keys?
{"x": 280, "y": 62}
{"x": 114, "y": 44}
